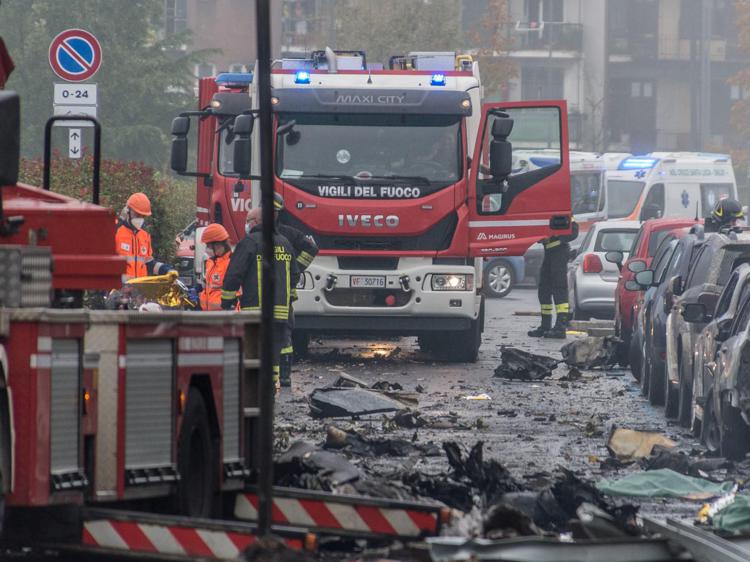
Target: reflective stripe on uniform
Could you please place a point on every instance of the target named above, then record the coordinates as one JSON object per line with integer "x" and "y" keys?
{"x": 304, "y": 258}
{"x": 287, "y": 350}
{"x": 253, "y": 308}
{"x": 547, "y": 309}
{"x": 563, "y": 307}
{"x": 228, "y": 295}
{"x": 552, "y": 244}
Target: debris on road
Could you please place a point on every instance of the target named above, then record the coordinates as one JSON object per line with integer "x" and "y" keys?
{"x": 630, "y": 445}
{"x": 591, "y": 352}
{"x": 354, "y": 442}
{"x": 305, "y": 466}
{"x": 664, "y": 483}
{"x": 683, "y": 463}
{"x": 483, "y": 396}
{"x": 522, "y": 365}
{"x": 350, "y": 402}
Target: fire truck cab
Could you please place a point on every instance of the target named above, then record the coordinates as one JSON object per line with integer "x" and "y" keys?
{"x": 402, "y": 176}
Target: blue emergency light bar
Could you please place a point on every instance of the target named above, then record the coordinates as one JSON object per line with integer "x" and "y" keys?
{"x": 637, "y": 163}
{"x": 438, "y": 80}
{"x": 235, "y": 79}
{"x": 302, "y": 77}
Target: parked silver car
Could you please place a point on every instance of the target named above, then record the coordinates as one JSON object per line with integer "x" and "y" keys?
{"x": 592, "y": 279}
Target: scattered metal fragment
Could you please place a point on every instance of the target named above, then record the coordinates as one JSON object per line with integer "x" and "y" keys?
{"x": 591, "y": 352}
{"x": 348, "y": 402}
{"x": 522, "y": 365}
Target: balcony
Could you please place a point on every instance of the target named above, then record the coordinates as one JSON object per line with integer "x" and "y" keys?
{"x": 548, "y": 36}
{"x": 672, "y": 48}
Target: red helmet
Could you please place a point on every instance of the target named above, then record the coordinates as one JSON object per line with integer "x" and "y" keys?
{"x": 214, "y": 233}
{"x": 139, "y": 203}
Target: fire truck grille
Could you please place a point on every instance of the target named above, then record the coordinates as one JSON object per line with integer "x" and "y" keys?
{"x": 25, "y": 276}
{"x": 65, "y": 410}
{"x": 368, "y": 297}
{"x": 437, "y": 238}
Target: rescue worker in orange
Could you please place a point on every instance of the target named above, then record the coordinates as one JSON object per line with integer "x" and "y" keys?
{"x": 135, "y": 243}
{"x": 219, "y": 252}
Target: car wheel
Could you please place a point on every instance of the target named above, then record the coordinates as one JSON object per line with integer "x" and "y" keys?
{"x": 634, "y": 359}
{"x": 499, "y": 279}
{"x": 578, "y": 314}
{"x": 710, "y": 432}
{"x": 685, "y": 402}
{"x": 461, "y": 346}
{"x": 645, "y": 373}
{"x": 656, "y": 381}
{"x": 733, "y": 432}
{"x": 671, "y": 398}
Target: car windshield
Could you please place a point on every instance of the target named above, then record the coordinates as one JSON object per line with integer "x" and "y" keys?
{"x": 622, "y": 197}
{"x": 388, "y": 146}
{"x": 615, "y": 240}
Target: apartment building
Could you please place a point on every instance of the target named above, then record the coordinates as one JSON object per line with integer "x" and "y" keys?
{"x": 225, "y": 25}
{"x": 638, "y": 75}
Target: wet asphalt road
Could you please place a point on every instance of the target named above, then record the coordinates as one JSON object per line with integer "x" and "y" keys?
{"x": 531, "y": 428}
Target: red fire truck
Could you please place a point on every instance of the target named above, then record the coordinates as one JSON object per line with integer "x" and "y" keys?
{"x": 399, "y": 174}
{"x": 99, "y": 407}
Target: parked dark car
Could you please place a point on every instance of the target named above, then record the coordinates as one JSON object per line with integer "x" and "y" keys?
{"x": 726, "y": 404}
{"x": 709, "y": 272}
{"x": 647, "y": 289}
{"x": 716, "y": 331}
{"x": 644, "y": 248}
{"x": 666, "y": 287}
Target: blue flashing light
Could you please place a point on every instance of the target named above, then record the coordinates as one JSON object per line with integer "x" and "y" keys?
{"x": 637, "y": 163}
{"x": 302, "y": 77}
{"x": 235, "y": 79}
{"x": 544, "y": 162}
{"x": 438, "y": 80}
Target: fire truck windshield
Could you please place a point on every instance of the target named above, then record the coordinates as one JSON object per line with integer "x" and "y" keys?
{"x": 422, "y": 150}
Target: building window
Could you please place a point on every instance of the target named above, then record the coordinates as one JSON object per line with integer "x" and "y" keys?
{"x": 542, "y": 83}
{"x": 641, "y": 89}
{"x": 175, "y": 16}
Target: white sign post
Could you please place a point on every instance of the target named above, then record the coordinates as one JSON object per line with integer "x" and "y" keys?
{"x": 74, "y": 143}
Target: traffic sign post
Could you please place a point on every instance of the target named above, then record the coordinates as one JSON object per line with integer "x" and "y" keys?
{"x": 74, "y": 143}
{"x": 75, "y": 55}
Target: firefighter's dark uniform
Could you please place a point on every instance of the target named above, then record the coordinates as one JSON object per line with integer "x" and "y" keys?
{"x": 553, "y": 285}
{"x": 305, "y": 250}
{"x": 245, "y": 272}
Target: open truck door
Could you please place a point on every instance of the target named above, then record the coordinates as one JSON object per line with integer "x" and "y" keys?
{"x": 513, "y": 204}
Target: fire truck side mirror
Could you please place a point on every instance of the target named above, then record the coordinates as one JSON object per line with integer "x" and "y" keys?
{"x": 501, "y": 151}
{"x": 179, "y": 156}
{"x": 9, "y": 137}
{"x": 243, "y": 128}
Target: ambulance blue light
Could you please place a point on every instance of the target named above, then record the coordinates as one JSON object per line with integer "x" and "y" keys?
{"x": 302, "y": 77}
{"x": 438, "y": 80}
{"x": 235, "y": 79}
{"x": 637, "y": 163}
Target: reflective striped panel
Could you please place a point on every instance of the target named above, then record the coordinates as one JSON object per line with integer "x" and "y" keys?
{"x": 65, "y": 411}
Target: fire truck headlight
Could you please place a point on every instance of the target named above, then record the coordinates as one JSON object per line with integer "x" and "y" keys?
{"x": 466, "y": 104}
{"x": 452, "y": 282}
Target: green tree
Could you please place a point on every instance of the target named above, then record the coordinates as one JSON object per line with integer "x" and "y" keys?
{"x": 144, "y": 81}
{"x": 392, "y": 27}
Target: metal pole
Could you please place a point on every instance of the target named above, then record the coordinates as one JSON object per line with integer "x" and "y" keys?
{"x": 705, "y": 74}
{"x": 265, "y": 386}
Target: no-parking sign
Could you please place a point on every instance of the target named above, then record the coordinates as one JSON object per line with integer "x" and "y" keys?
{"x": 75, "y": 55}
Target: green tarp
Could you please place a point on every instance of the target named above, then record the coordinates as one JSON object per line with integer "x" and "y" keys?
{"x": 664, "y": 483}
{"x": 735, "y": 517}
